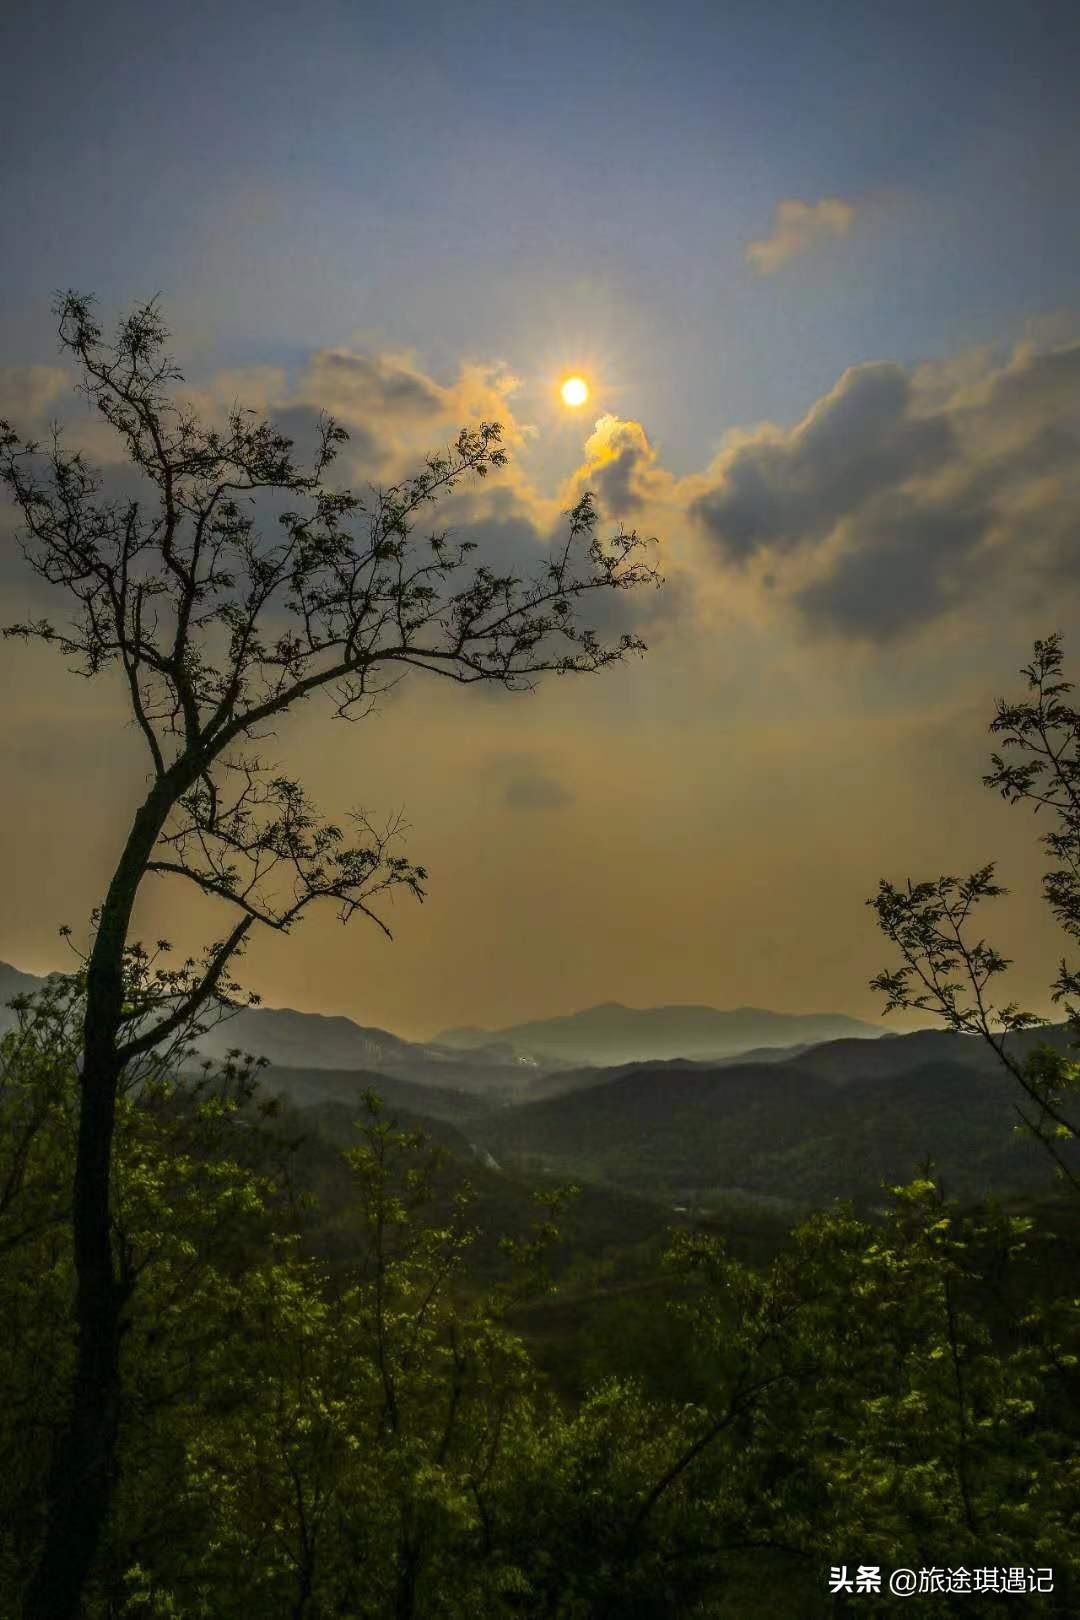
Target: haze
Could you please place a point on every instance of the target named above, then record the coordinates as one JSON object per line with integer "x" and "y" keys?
{"x": 819, "y": 266}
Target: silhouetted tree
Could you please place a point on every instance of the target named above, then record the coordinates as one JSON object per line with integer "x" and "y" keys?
{"x": 948, "y": 972}
{"x": 217, "y": 629}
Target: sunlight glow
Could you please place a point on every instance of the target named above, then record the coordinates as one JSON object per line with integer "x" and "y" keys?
{"x": 574, "y": 391}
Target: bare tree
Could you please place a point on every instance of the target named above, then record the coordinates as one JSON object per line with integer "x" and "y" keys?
{"x": 218, "y": 628}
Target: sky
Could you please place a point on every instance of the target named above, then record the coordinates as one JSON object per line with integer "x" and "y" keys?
{"x": 820, "y": 268}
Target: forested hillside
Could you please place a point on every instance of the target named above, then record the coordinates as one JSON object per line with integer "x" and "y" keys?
{"x": 836, "y": 1121}
{"x": 342, "y": 1393}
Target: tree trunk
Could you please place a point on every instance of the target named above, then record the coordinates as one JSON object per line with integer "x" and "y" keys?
{"x": 83, "y": 1470}
{"x": 407, "y": 1571}
{"x": 408, "y": 1564}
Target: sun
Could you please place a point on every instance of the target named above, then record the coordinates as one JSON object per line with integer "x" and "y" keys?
{"x": 574, "y": 391}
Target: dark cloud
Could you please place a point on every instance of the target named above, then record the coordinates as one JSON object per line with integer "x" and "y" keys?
{"x": 911, "y": 561}
{"x": 372, "y": 382}
{"x": 613, "y": 479}
{"x": 507, "y": 542}
{"x": 614, "y": 485}
{"x": 301, "y": 424}
{"x": 906, "y": 496}
{"x": 783, "y": 490}
{"x": 533, "y": 790}
{"x": 620, "y": 466}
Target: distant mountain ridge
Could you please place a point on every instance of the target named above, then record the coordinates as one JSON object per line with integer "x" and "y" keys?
{"x": 610, "y": 1033}
{"x": 798, "y": 1125}
{"x": 299, "y": 1040}
{"x": 472, "y": 1059}
{"x": 13, "y": 982}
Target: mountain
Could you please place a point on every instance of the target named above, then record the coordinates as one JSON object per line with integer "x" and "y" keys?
{"x": 835, "y": 1121}
{"x": 14, "y": 983}
{"x": 503, "y": 1063}
{"x": 613, "y": 1034}
{"x": 305, "y": 1041}
{"x": 314, "y": 1087}
{"x": 556, "y": 1082}
{"x": 298, "y": 1040}
{"x": 894, "y": 1055}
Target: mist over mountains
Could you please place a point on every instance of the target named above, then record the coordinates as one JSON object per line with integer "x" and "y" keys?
{"x": 298, "y": 1040}
{"x": 709, "y": 1105}
{"x": 502, "y": 1059}
{"x": 611, "y": 1033}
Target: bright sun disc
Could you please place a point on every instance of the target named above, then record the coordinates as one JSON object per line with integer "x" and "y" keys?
{"x": 574, "y": 391}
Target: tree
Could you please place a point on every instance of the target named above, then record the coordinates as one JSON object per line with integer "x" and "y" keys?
{"x": 218, "y": 629}
{"x": 914, "y": 1399}
{"x": 339, "y": 1448}
{"x": 947, "y": 972}
{"x": 186, "y": 1218}
{"x": 305, "y": 1439}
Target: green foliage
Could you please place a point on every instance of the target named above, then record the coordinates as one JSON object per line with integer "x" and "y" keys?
{"x": 874, "y": 1403}
{"x": 946, "y": 971}
{"x": 372, "y": 1437}
{"x": 299, "y": 1440}
{"x": 785, "y": 1135}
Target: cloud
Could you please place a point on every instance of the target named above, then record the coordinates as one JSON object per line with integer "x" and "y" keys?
{"x": 900, "y": 497}
{"x": 521, "y": 780}
{"x": 505, "y": 536}
{"x": 618, "y": 456}
{"x": 300, "y": 423}
{"x": 396, "y": 414}
{"x": 621, "y": 468}
{"x": 797, "y": 228}
{"x": 376, "y": 386}
{"x": 533, "y": 790}
{"x": 781, "y": 490}
{"x": 26, "y": 391}
{"x": 911, "y": 562}
{"x": 903, "y": 495}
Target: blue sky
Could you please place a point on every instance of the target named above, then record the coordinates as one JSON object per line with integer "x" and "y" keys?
{"x": 495, "y": 180}
{"x": 714, "y": 212}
